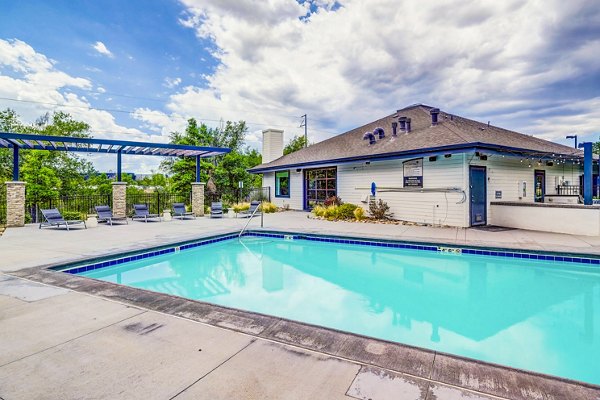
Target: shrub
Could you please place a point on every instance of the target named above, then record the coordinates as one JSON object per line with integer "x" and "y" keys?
{"x": 359, "y": 213}
{"x": 333, "y": 201}
{"x": 331, "y": 212}
{"x": 319, "y": 211}
{"x": 346, "y": 211}
{"x": 206, "y": 209}
{"x": 268, "y": 208}
{"x": 72, "y": 215}
{"x": 241, "y": 207}
{"x": 380, "y": 210}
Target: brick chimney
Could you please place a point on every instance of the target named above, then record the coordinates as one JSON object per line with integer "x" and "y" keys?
{"x": 272, "y": 145}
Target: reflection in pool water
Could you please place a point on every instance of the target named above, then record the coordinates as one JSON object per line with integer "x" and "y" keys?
{"x": 529, "y": 314}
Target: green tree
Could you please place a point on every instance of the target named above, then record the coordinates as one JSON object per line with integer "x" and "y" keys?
{"x": 297, "y": 143}
{"x": 226, "y": 170}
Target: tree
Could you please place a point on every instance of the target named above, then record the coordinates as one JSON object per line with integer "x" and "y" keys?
{"x": 297, "y": 143}
{"x": 226, "y": 171}
{"x": 41, "y": 169}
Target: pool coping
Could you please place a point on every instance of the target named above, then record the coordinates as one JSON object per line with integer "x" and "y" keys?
{"x": 470, "y": 374}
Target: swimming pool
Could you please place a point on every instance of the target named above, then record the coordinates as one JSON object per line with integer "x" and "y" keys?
{"x": 508, "y": 308}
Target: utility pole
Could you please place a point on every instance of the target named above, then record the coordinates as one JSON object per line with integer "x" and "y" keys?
{"x": 304, "y": 124}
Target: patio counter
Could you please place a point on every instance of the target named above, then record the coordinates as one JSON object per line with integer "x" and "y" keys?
{"x": 574, "y": 219}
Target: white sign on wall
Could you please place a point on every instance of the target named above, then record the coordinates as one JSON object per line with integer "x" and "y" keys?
{"x": 413, "y": 173}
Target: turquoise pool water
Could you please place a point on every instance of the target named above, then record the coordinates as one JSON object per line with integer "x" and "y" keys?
{"x": 536, "y": 315}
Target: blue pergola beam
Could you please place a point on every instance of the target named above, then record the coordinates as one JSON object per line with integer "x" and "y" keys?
{"x": 587, "y": 173}
{"x": 71, "y": 143}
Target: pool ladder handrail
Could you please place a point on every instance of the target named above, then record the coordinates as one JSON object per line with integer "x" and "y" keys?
{"x": 250, "y": 219}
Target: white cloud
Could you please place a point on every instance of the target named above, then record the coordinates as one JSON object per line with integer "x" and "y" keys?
{"x": 102, "y": 49}
{"x": 351, "y": 64}
{"x": 39, "y": 87}
{"x": 172, "y": 82}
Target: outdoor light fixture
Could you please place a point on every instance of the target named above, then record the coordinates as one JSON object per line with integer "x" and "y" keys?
{"x": 573, "y": 137}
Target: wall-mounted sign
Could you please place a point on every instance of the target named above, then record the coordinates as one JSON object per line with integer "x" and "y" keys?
{"x": 413, "y": 173}
{"x": 498, "y": 194}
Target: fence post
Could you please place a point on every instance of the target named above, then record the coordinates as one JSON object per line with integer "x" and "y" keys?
{"x": 198, "y": 199}
{"x": 119, "y": 203}
{"x": 15, "y": 203}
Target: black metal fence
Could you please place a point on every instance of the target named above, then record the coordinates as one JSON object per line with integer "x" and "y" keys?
{"x": 2, "y": 204}
{"x": 157, "y": 202}
{"x": 259, "y": 194}
{"x": 81, "y": 204}
{"x": 255, "y": 194}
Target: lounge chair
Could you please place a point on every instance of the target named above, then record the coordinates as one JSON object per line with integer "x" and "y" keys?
{"x": 253, "y": 206}
{"x": 216, "y": 210}
{"x": 105, "y": 215}
{"x": 52, "y": 217}
{"x": 141, "y": 211}
{"x": 180, "y": 212}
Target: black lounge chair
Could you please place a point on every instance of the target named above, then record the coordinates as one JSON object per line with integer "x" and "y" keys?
{"x": 253, "y": 206}
{"x": 216, "y": 210}
{"x": 180, "y": 212}
{"x": 141, "y": 211}
{"x": 105, "y": 215}
{"x": 52, "y": 217}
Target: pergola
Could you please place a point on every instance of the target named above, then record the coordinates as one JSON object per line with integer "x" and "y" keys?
{"x": 18, "y": 141}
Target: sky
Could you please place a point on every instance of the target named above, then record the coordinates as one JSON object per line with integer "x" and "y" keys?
{"x": 137, "y": 70}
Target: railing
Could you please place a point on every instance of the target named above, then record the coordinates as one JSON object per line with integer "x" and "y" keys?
{"x": 157, "y": 202}
{"x": 81, "y": 204}
{"x": 568, "y": 190}
{"x": 250, "y": 219}
{"x": 2, "y": 205}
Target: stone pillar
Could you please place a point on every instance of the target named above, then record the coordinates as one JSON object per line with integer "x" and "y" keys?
{"x": 198, "y": 198}
{"x": 119, "y": 200}
{"x": 15, "y": 204}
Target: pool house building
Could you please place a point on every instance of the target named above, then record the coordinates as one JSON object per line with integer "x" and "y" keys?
{"x": 433, "y": 167}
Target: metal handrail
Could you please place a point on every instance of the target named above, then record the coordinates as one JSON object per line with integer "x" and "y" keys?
{"x": 250, "y": 219}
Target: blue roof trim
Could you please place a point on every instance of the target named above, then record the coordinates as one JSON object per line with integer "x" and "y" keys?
{"x": 105, "y": 146}
{"x": 429, "y": 151}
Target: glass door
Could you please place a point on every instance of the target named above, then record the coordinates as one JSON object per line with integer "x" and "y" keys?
{"x": 539, "y": 185}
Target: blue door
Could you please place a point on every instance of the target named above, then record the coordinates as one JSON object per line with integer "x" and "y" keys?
{"x": 478, "y": 190}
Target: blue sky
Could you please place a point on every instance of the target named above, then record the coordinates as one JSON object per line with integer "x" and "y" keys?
{"x": 138, "y": 69}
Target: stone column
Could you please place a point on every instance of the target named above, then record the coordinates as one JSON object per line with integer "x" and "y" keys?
{"x": 15, "y": 204}
{"x": 198, "y": 198}
{"x": 119, "y": 200}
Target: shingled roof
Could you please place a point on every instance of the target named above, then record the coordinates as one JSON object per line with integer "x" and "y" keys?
{"x": 452, "y": 133}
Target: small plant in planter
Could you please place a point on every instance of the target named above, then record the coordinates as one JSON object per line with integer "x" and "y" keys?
{"x": 333, "y": 201}
{"x": 268, "y": 208}
{"x": 318, "y": 211}
{"x": 237, "y": 208}
{"x": 346, "y": 211}
{"x": 359, "y": 214}
{"x": 73, "y": 215}
{"x": 380, "y": 210}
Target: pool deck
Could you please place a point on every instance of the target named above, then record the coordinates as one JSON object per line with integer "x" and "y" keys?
{"x": 69, "y": 337}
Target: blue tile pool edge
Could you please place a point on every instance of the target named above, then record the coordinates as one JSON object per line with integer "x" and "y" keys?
{"x": 174, "y": 248}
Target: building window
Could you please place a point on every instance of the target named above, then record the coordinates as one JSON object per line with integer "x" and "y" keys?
{"x": 282, "y": 184}
{"x": 320, "y": 185}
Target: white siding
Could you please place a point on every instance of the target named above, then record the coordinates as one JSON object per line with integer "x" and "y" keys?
{"x": 503, "y": 173}
{"x": 296, "y": 198}
{"x": 354, "y": 181}
{"x": 506, "y": 174}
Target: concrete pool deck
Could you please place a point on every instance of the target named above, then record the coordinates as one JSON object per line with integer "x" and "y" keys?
{"x": 89, "y": 343}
